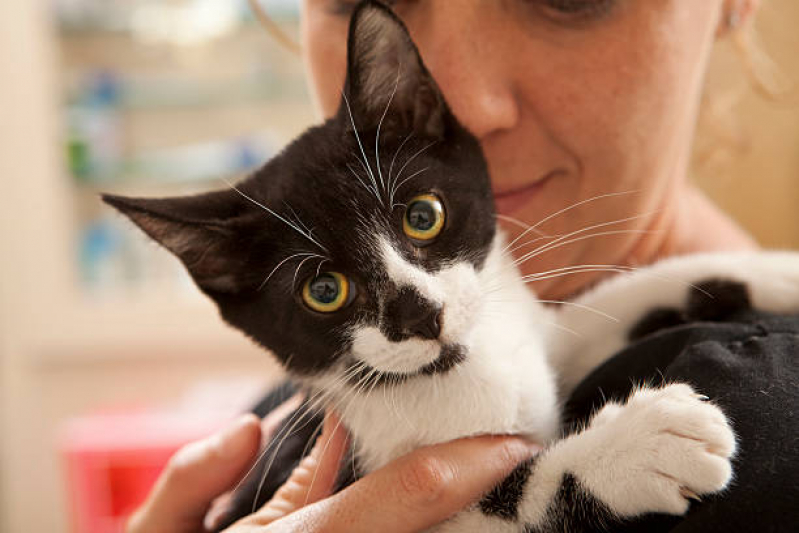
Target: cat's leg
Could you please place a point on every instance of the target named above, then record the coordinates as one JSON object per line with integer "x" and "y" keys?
{"x": 655, "y": 453}
{"x": 702, "y": 287}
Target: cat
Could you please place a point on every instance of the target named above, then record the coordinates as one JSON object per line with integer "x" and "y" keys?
{"x": 367, "y": 259}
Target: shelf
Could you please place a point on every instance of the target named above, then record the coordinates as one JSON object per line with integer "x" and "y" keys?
{"x": 156, "y": 325}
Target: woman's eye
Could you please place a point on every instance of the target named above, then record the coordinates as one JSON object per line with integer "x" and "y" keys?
{"x": 327, "y": 292}
{"x": 424, "y": 219}
{"x": 344, "y": 8}
{"x": 578, "y": 8}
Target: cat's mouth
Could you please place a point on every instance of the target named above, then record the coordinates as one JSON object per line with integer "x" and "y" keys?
{"x": 449, "y": 356}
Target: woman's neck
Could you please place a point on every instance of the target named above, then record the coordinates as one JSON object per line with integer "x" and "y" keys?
{"x": 694, "y": 224}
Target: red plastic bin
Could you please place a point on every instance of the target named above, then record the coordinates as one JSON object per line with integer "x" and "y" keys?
{"x": 112, "y": 460}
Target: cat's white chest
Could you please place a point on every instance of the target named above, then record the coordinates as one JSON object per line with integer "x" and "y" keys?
{"x": 505, "y": 386}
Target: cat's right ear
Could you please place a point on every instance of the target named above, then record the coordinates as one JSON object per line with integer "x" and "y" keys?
{"x": 207, "y": 232}
{"x": 387, "y": 82}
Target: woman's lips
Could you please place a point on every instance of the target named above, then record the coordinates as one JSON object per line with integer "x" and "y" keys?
{"x": 509, "y": 201}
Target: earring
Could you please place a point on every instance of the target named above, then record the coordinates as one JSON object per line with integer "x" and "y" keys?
{"x": 732, "y": 19}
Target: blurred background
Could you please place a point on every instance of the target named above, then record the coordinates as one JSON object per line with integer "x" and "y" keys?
{"x": 109, "y": 358}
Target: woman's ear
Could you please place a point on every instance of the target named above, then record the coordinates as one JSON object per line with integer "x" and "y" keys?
{"x": 387, "y": 82}
{"x": 206, "y": 232}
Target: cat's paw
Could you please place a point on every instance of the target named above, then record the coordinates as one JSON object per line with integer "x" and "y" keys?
{"x": 658, "y": 451}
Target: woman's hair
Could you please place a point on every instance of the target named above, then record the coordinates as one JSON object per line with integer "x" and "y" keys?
{"x": 719, "y": 136}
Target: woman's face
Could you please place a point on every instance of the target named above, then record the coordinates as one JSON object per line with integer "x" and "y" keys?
{"x": 571, "y": 100}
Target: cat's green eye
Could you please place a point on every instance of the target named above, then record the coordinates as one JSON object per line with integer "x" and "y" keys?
{"x": 424, "y": 219}
{"x": 327, "y": 292}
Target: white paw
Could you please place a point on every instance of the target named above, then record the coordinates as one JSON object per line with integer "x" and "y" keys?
{"x": 662, "y": 448}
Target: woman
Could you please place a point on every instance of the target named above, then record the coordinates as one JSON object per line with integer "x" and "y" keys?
{"x": 572, "y": 100}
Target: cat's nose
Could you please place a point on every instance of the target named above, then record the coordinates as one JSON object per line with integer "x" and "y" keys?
{"x": 409, "y": 314}
{"x": 427, "y": 326}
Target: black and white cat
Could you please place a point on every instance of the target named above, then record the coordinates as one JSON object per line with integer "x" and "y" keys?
{"x": 366, "y": 258}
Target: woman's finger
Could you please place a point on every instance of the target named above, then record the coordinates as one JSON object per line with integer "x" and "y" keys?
{"x": 270, "y": 424}
{"x": 196, "y": 474}
{"x": 313, "y": 479}
{"x": 414, "y": 492}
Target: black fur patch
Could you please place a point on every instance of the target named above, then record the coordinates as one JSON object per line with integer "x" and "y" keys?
{"x": 717, "y": 299}
{"x": 574, "y": 509}
{"x": 711, "y": 300}
{"x": 503, "y": 500}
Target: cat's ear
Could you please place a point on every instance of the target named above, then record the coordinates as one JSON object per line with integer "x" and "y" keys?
{"x": 207, "y": 232}
{"x": 386, "y": 79}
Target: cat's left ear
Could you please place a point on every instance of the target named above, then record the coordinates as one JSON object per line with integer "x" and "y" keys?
{"x": 207, "y": 232}
{"x": 387, "y": 80}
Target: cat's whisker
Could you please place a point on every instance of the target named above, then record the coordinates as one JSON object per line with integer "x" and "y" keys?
{"x": 566, "y": 210}
{"x": 409, "y": 178}
{"x": 391, "y": 167}
{"x": 581, "y": 306}
{"x": 317, "y": 400}
{"x": 297, "y": 270}
{"x": 338, "y": 424}
{"x": 584, "y": 230}
{"x": 379, "y": 126}
{"x": 410, "y": 159}
{"x": 274, "y": 214}
{"x": 561, "y": 327}
{"x": 263, "y": 284}
{"x": 363, "y": 184}
{"x": 519, "y": 223}
{"x": 565, "y": 270}
{"x": 358, "y": 138}
{"x": 296, "y": 217}
{"x": 319, "y": 266}
{"x": 573, "y": 272}
{"x": 555, "y": 244}
{"x": 313, "y": 404}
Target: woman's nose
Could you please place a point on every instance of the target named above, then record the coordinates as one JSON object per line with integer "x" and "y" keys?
{"x": 467, "y": 47}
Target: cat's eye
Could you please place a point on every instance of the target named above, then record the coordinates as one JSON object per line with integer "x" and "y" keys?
{"x": 327, "y": 292}
{"x": 424, "y": 219}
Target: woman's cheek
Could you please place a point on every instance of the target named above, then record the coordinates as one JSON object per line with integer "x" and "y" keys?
{"x": 324, "y": 48}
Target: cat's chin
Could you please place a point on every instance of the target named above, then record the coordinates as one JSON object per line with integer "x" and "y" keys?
{"x": 449, "y": 356}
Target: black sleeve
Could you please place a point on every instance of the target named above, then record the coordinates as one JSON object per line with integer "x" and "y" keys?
{"x": 748, "y": 365}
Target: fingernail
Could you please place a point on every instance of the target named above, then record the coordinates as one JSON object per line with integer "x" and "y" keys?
{"x": 231, "y": 441}
{"x": 525, "y": 448}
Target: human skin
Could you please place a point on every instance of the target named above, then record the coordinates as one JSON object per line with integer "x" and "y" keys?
{"x": 568, "y": 107}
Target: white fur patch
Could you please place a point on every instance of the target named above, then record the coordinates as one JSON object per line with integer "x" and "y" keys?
{"x": 456, "y": 289}
{"x": 504, "y": 386}
{"x": 652, "y": 454}
{"x": 373, "y": 348}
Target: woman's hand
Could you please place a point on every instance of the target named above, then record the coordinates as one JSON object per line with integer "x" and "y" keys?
{"x": 411, "y": 493}
{"x": 202, "y": 472}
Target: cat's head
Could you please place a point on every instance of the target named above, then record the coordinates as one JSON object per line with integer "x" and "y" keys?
{"x": 358, "y": 248}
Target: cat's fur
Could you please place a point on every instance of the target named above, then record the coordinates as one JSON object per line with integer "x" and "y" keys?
{"x": 334, "y": 200}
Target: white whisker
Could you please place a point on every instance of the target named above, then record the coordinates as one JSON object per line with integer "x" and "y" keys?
{"x": 567, "y": 209}
{"x": 379, "y": 126}
{"x": 271, "y": 212}
{"x": 261, "y": 286}
{"x": 358, "y": 138}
